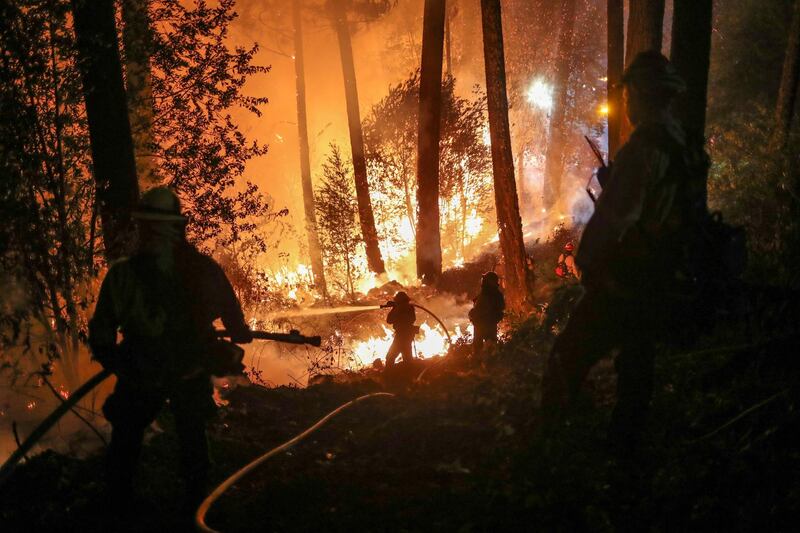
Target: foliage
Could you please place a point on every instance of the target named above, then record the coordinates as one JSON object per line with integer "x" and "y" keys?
{"x": 751, "y": 183}
{"x": 339, "y": 231}
{"x": 197, "y": 81}
{"x": 465, "y": 185}
{"x": 47, "y": 194}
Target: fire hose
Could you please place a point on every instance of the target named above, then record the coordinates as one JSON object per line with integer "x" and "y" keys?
{"x": 200, "y": 515}
{"x": 293, "y": 337}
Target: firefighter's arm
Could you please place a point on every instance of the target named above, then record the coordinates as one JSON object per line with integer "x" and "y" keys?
{"x": 230, "y": 310}
{"x": 104, "y": 323}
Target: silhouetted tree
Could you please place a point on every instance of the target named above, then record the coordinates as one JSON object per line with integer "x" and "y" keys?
{"x": 137, "y": 38}
{"x": 366, "y": 216}
{"x": 339, "y": 232}
{"x": 107, "y": 113}
{"x": 314, "y": 252}
{"x": 790, "y": 83}
{"x": 616, "y": 62}
{"x": 429, "y": 245}
{"x": 509, "y": 224}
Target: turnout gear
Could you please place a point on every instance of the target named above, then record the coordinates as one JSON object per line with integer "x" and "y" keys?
{"x": 402, "y": 318}
{"x": 487, "y": 312}
{"x": 163, "y": 300}
{"x": 631, "y": 257}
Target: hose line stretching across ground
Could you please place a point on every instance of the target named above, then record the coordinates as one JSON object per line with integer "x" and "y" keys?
{"x": 200, "y": 515}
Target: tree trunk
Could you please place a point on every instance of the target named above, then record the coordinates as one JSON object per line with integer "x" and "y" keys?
{"x": 690, "y": 54}
{"x": 790, "y": 80}
{"x": 448, "y": 38}
{"x": 107, "y": 115}
{"x": 645, "y": 27}
{"x": 314, "y": 249}
{"x": 554, "y": 161}
{"x": 429, "y": 244}
{"x": 365, "y": 214}
{"x": 509, "y": 224}
{"x": 616, "y": 62}
{"x": 138, "y": 41}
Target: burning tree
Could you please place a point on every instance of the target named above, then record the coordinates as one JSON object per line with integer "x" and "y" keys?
{"x": 465, "y": 186}
{"x": 340, "y": 234}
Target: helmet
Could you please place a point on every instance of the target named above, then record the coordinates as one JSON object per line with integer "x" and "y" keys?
{"x": 490, "y": 277}
{"x": 569, "y": 246}
{"x": 652, "y": 74}
{"x": 160, "y": 204}
{"x": 401, "y": 297}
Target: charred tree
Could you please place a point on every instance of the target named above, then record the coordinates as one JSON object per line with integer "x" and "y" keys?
{"x": 138, "y": 41}
{"x": 691, "y": 53}
{"x": 554, "y": 160}
{"x": 790, "y": 83}
{"x": 509, "y": 223}
{"x": 314, "y": 250}
{"x": 365, "y": 213}
{"x": 429, "y": 245}
{"x": 107, "y": 115}
{"x": 616, "y": 64}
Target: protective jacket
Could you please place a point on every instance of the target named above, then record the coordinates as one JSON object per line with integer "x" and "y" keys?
{"x": 489, "y": 307}
{"x": 402, "y": 318}
{"x": 633, "y": 242}
{"x": 165, "y": 314}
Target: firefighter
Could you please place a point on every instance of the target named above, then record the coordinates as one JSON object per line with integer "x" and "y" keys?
{"x": 631, "y": 255}
{"x": 402, "y": 318}
{"x": 163, "y": 299}
{"x": 487, "y": 312}
{"x": 566, "y": 268}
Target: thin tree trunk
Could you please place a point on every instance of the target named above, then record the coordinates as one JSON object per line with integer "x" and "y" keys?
{"x": 365, "y": 214}
{"x": 790, "y": 82}
{"x": 690, "y": 53}
{"x": 314, "y": 249}
{"x": 645, "y": 33}
{"x": 107, "y": 114}
{"x": 509, "y": 224}
{"x": 554, "y": 161}
{"x": 448, "y": 37}
{"x": 645, "y": 28}
{"x": 616, "y": 62}
{"x": 138, "y": 41}
{"x": 429, "y": 244}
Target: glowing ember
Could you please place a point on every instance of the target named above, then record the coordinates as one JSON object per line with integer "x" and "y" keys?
{"x": 63, "y": 392}
{"x": 604, "y": 110}
{"x": 540, "y": 94}
{"x": 31, "y": 405}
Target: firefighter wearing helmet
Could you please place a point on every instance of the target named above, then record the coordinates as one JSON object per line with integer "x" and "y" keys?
{"x": 566, "y": 267}
{"x": 630, "y": 254}
{"x": 402, "y": 318}
{"x": 163, "y": 299}
{"x": 487, "y": 312}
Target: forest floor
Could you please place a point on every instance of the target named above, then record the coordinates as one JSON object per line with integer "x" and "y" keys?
{"x": 463, "y": 450}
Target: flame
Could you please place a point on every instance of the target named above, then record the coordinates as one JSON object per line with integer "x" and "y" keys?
{"x": 429, "y": 342}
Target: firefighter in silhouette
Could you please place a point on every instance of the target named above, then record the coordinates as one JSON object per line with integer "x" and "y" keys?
{"x": 565, "y": 267}
{"x": 163, "y": 299}
{"x": 402, "y": 318}
{"x": 487, "y": 312}
{"x": 631, "y": 255}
